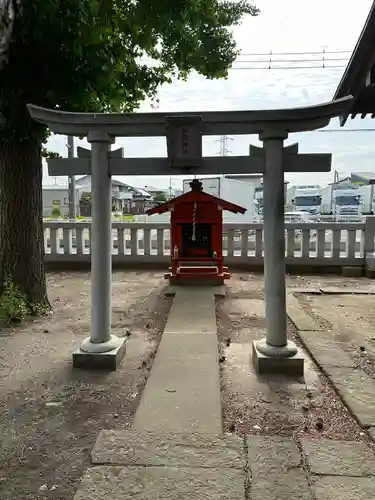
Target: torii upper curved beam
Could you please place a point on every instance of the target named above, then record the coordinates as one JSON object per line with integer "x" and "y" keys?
{"x": 212, "y": 122}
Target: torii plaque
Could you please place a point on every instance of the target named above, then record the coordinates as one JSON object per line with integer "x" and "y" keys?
{"x": 184, "y": 135}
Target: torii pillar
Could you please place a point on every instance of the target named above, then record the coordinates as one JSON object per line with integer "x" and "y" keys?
{"x": 275, "y": 353}
{"x": 93, "y": 350}
{"x": 101, "y": 349}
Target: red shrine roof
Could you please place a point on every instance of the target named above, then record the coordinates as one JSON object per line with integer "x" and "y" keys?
{"x": 196, "y": 195}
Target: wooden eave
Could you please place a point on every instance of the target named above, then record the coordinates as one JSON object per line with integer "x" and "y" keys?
{"x": 359, "y": 76}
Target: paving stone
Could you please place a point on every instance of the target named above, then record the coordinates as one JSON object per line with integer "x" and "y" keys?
{"x": 273, "y": 452}
{"x": 344, "y": 488}
{"x": 357, "y": 390}
{"x": 312, "y": 291}
{"x": 346, "y": 458}
{"x": 193, "y": 311}
{"x": 161, "y": 483}
{"x": 275, "y": 465}
{"x": 182, "y": 393}
{"x": 347, "y": 291}
{"x": 129, "y": 447}
{"x": 326, "y": 351}
{"x": 289, "y": 485}
{"x": 298, "y": 316}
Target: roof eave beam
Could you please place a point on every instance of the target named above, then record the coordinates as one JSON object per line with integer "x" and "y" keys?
{"x": 213, "y": 122}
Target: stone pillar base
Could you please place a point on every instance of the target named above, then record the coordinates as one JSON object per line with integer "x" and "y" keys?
{"x": 352, "y": 271}
{"x": 267, "y": 365}
{"x": 109, "y": 360}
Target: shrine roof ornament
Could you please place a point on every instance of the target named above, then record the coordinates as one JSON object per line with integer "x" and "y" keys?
{"x": 196, "y": 185}
{"x": 210, "y": 122}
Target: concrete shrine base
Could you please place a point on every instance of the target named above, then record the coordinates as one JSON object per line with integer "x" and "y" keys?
{"x": 264, "y": 365}
{"x": 171, "y": 290}
{"x": 196, "y": 282}
{"x": 100, "y": 360}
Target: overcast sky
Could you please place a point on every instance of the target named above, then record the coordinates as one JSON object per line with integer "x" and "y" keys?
{"x": 292, "y": 26}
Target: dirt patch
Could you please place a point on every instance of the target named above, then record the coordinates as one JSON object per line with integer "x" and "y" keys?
{"x": 273, "y": 405}
{"x": 50, "y": 414}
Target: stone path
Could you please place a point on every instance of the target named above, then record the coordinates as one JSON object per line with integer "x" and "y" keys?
{"x": 147, "y": 465}
{"x": 176, "y": 449}
{"x": 355, "y": 387}
{"x": 182, "y": 393}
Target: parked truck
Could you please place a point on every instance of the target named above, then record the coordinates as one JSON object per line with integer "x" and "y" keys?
{"x": 342, "y": 203}
{"x": 367, "y": 199}
{"x": 240, "y": 193}
{"x": 259, "y": 200}
{"x": 305, "y": 198}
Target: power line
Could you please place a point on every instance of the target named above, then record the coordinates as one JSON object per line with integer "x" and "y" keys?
{"x": 271, "y": 54}
{"x": 275, "y": 62}
{"x": 325, "y": 56}
{"x": 328, "y": 59}
{"x": 301, "y": 52}
{"x": 270, "y": 68}
{"x": 71, "y": 182}
{"x": 346, "y": 130}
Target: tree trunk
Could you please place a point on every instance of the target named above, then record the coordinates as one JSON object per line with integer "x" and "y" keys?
{"x": 21, "y": 220}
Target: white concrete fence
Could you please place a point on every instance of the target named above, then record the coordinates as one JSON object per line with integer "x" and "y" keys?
{"x": 318, "y": 244}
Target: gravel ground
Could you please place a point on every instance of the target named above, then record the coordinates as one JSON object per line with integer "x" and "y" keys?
{"x": 50, "y": 414}
{"x": 266, "y": 405}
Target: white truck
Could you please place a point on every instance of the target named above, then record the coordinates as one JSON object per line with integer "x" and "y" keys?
{"x": 367, "y": 199}
{"x": 240, "y": 193}
{"x": 342, "y": 203}
{"x": 305, "y": 198}
{"x": 259, "y": 200}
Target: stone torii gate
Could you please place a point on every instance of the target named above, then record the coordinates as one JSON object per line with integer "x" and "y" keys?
{"x": 184, "y": 132}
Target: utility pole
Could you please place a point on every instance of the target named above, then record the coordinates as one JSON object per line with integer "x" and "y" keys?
{"x": 224, "y": 141}
{"x": 336, "y": 180}
{"x": 72, "y": 182}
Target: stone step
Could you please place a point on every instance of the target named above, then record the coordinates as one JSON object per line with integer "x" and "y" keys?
{"x": 347, "y": 291}
{"x": 176, "y": 466}
{"x": 147, "y": 449}
{"x": 180, "y": 466}
{"x": 200, "y": 264}
{"x": 162, "y": 483}
{"x": 197, "y": 269}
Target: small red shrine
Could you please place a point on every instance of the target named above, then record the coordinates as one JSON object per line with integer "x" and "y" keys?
{"x": 197, "y": 235}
